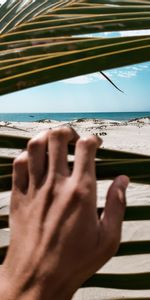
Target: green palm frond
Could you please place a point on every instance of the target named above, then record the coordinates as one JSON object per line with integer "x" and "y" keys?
{"x": 136, "y": 281}
{"x": 42, "y": 42}
{"x": 109, "y": 164}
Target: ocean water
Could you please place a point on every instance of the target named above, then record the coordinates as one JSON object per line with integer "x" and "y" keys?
{"x": 32, "y": 117}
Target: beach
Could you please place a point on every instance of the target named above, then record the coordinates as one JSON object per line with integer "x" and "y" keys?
{"x": 133, "y": 136}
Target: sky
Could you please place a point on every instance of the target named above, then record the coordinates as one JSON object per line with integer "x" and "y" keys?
{"x": 90, "y": 93}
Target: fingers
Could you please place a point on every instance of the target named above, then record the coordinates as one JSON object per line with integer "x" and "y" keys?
{"x": 32, "y": 165}
{"x": 115, "y": 208}
{"x": 47, "y": 154}
{"x": 20, "y": 172}
{"x": 37, "y": 159}
{"x": 84, "y": 156}
{"x": 58, "y": 149}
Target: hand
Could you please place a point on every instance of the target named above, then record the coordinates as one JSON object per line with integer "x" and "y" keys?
{"x": 57, "y": 240}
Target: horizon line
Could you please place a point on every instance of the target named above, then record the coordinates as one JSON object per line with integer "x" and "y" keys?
{"x": 76, "y": 112}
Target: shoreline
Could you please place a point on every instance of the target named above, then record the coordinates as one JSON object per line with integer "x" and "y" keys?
{"x": 72, "y": 116}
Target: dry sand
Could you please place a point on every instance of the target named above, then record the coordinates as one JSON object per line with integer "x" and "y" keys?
{"x": 133, "y": 136}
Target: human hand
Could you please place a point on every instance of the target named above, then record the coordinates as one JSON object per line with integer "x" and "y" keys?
{"x": 57, "y": 240}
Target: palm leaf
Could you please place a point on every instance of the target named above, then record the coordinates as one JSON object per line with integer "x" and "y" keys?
{"x": 37, "y": 39}
{"x": 20, "y": 142}
{"x": 120, "y": 281}
{"x": 104, "y": 75}
{"x": 22, "y": 11}
{"x": 110, "y": 163}
{"x": 133, "y": 213}
{"x": 42, "y": 70}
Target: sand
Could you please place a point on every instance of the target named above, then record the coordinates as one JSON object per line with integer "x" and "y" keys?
{"x": 133, "y": 136}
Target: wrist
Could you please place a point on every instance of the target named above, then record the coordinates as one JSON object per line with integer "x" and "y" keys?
{"x": 14, "y": 289}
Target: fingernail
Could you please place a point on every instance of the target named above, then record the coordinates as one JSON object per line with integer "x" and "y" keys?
{"x": 99, "y": 140}
{"x": 124, "y": 181}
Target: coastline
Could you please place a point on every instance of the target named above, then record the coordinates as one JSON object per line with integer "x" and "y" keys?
{"x": 130, "y": 136}
{"x": 71, "y": 116}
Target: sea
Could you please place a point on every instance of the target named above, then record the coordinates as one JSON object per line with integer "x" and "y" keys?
{"x": 32, "y": 117}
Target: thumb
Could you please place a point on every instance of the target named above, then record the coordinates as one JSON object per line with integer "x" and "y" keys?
{"x": 115, "y": 207}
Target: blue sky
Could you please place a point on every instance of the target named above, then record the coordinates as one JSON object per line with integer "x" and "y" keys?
{"x": 90, "y": 93}
{"x": 86, "y": 93}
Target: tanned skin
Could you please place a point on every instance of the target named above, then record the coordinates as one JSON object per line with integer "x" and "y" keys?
{"x": 57, "y": 240}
